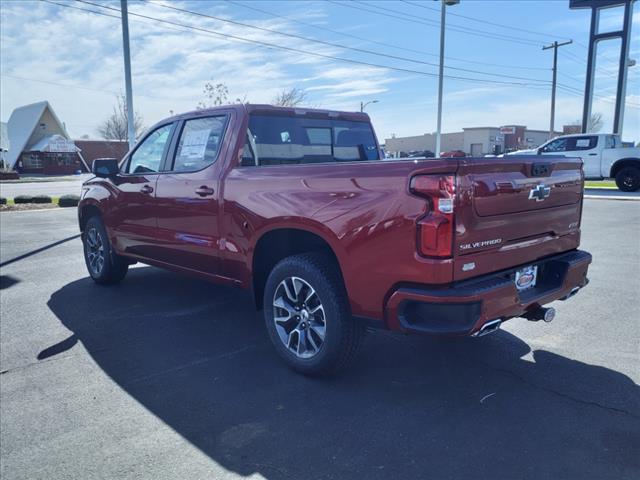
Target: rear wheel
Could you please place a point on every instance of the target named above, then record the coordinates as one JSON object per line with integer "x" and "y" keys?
{"x": 628, "y": 179}
{"x": 308, "y": 317}
{"x": 104, "y": 265}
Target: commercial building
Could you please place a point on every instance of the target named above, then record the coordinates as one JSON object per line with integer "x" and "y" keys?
{"x": 92, "y": 149}
{"x": 475, "y": 141}
{"x": 38, "y": 143}
{"x": 4, "y": 144}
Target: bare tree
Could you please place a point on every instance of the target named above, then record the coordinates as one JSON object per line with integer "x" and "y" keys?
{"x": 115, "y": 127}
{"x": 217, "y": 94}
{"x": 594, "y": 125}
{"x": 290, "y": 98}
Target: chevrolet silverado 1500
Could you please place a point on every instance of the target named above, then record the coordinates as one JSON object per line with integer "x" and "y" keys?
{"x": 297, "y": 206}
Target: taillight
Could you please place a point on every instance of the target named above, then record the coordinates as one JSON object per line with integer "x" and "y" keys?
{"x": 436, "y": 228}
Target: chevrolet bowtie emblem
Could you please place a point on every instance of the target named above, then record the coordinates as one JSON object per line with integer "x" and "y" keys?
{"x": 539, "y": 193}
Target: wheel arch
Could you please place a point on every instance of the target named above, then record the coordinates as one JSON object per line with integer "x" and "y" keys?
{"x": 280, "y": 242}
{"x": 85, "y": 212}
{"x": 622, "y": 163}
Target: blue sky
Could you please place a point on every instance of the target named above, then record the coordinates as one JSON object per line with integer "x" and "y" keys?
{"x": 73, "y": 58}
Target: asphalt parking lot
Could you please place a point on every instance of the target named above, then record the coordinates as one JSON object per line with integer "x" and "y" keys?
{"x": 170, "y": 377}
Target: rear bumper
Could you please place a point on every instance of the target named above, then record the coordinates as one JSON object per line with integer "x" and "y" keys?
{"x": 464, "y": 307}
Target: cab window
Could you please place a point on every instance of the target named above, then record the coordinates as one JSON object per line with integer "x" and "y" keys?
{"x": 199, "y": 144}
{"x": 283, "y": 140}
{"x": 584, "y": 143}
{"x": 559, "y": 145}
{"x": 148, "y": 156}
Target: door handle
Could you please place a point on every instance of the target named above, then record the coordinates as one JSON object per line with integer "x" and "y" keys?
{"x": 593, "y": 154}
{"x": 146, "y": 189}
{"x": 204, "y": 191}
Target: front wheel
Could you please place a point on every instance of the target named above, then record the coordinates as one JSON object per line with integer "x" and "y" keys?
{"x": 628, "y": 179}
{"x": 308, "y": 317}
{"x": 104, "y": 265}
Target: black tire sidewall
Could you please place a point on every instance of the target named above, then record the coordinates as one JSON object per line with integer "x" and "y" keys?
{"x": 635, "y": 173}
{"x": 330, "y": 292}
{"x": 108, "y": 273}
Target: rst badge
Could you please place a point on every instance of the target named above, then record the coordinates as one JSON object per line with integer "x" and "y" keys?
{"x": 539, "y": 192}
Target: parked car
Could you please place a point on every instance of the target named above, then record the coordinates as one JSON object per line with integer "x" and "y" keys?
{"x": 296, "y": 206}
{"x": 603, "y": 154}
{"x": 421, "y": 154}
{"x": 453, "y": 154}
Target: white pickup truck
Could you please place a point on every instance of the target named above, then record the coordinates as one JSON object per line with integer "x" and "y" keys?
{"x": 603, "y": 156}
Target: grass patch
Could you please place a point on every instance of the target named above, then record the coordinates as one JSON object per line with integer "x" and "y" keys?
{"x": 600, "y": 184}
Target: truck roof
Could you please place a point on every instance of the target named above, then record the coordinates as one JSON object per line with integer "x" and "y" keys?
{"x": 272, "y": 109}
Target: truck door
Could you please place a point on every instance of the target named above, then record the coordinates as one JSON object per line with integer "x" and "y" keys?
{"x": 188, "y": 192}
{"x": 132, "y": 218}
{"x": 585, "y": 147}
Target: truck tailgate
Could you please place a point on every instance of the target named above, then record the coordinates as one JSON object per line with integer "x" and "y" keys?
{"x": 515, "y": 210}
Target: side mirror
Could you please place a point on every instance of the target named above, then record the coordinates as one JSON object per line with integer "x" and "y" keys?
{"x": 105, "y": 167}
{"x": 540, "y": 151}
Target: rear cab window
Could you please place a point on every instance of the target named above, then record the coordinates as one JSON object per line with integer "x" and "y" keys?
{"x": 282, "y": 140}
{"x": 584, "y": 143}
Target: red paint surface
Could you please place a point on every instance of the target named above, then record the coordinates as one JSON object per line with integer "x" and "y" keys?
{"x": 363, "y": 210}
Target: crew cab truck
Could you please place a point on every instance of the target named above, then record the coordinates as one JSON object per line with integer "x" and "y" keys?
{"x": 603, "y": 156}
{"x": 297, "y": 206}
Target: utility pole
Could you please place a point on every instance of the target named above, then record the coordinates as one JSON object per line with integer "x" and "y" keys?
{"x": 443, "y": 6}
{"x": 555, "y": 46}
{"x": 131, "y": 131}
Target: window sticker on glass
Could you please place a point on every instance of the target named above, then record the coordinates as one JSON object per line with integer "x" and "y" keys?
{"x": 195, "y": 143}
{"x": 582, "y": 142}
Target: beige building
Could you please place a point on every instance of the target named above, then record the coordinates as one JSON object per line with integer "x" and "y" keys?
{"x": 474, "y": 141}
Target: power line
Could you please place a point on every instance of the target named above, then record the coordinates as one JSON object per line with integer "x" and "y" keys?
{"x": 386, "y": 12}
{"x": 486, "y": 22}
{"x": 337, "y": 45}
{"x": 79, "y": 87}
{"x": 456, "y": 28}
{"x": 303, "y": 52}
{"x": 383, "y": 44}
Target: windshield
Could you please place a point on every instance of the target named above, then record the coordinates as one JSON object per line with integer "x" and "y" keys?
{"x": 277, "y": 140}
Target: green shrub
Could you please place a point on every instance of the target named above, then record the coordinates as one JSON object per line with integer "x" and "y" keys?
{"x": 23, "y": 199}
{"x": 41, "y": 199}
{"x": 3, "y": 201}
{"x": 68, "y": 201}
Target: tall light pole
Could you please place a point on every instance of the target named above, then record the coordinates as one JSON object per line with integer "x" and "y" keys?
{"x": 363, "y": 105}
{"x": 131, "y": 131}
{"x": 443, "y": 5}
{"x": 555, "y": 46}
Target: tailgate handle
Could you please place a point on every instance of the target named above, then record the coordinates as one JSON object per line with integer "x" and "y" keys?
{"x": 541, "y": 169}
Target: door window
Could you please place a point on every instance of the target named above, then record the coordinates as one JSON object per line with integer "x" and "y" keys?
{"x": 559, "y": 145}
{"x": 584, "y": 143}
{"x": 148, "y": 156}
{"x": 199, "y": 143}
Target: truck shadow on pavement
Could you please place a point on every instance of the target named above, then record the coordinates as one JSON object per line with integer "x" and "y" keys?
{"x": 198, "y": 357}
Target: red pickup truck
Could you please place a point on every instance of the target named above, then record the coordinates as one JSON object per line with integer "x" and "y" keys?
{"x": 298, "y": 206}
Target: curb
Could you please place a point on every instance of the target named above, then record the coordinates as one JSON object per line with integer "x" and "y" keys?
{"x": 605, "y": 197}
{"x": 38, "y": 210}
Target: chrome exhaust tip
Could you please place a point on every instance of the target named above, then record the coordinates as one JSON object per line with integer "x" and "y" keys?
{"x": 487, "y": 328}
{"x": 546, "y": 314}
